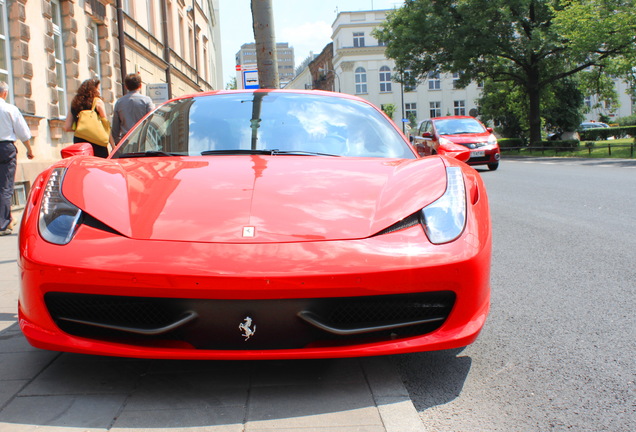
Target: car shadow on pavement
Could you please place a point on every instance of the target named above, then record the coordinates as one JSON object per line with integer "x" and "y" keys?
{"x": 434, "y": 378}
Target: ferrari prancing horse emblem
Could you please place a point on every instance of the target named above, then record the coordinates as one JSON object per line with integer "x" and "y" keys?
{"x": 246, "y": 327}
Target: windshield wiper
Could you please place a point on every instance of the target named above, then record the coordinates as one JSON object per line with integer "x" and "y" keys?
{"x": 237, "y": 152}
{"x": 271, "y": 152}
{"x": 150, "y": 153}
{"x": 303, "y": 152}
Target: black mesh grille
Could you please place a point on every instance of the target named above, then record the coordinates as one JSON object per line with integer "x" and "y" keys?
{"x": 277, "y": 322}
{"x": 123, "y": 311}
{"x": 369, "y": 311}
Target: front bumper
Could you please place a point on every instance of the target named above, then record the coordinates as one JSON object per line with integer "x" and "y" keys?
{"x": 269, "y": 283}
{"x": 491, "y": 156}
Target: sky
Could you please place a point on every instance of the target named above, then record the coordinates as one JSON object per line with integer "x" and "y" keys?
{"x": 304, "y": 24}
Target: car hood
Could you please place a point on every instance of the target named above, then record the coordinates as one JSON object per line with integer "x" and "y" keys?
{"x": 252, "y": 199}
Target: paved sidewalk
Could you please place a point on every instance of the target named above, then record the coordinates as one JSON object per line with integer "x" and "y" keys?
{"x": 51, "y": 391}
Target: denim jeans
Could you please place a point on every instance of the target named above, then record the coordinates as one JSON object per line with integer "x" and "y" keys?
{"x": 8, "y": 162}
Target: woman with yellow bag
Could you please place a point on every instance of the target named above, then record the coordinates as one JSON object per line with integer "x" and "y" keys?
{"x": 87, "y": 118}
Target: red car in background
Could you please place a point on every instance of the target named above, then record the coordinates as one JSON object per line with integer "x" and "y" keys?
{"x": 463, "y": 130}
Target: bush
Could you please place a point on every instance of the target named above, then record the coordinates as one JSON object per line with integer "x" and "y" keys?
{"x": 510, "y": 142}
{"x": 559, "y": 144}
{"x": 597, "y": 134}
{"x": 627, "y": 121}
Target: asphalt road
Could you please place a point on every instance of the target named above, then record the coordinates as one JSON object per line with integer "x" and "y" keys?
{"x": 558, "y": 350}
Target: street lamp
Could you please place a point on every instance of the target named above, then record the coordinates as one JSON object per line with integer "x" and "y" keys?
{"x": 336, "y": 75}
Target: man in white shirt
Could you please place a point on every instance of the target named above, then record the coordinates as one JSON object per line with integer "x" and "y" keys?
{"x": 12, "y": 127}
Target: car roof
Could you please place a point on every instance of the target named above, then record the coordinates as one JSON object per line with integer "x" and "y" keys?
{"x": 452, "y": 117}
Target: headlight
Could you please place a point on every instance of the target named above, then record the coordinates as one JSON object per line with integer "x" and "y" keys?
{"x": 445, "y": 141}
{"x": 444, "y": 220}
{"x": 58, "y": 217}
{"x": 492, "y": 140}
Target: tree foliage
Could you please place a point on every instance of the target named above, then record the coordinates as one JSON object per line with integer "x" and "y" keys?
{"x": 527, "y": 44}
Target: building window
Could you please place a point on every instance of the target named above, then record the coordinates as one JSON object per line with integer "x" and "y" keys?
{"x": 5, "y": 63}
{"x": 361, "y": 80}
{"x": 455, "y": 80}
{"x": 410, "y": 110}
{"x": 409, "y": 82}
{"x": 96, "y": 52}
{"x": 385, "y": 79}
{"x": 588, "y": 101}
{"x": 169, "y": 18}
{"x": 460, "y": 107}
{"x": 181, "y": 38}
{"x": 358, "y": 39}
{"x": 191, "y": 45}
{"x": 206, "y": 71}
{"x": 434, "y": 81}
{"x": 60, "y": 71}
{"x": 150, "y": 6}
{"x": 435, "y": 109}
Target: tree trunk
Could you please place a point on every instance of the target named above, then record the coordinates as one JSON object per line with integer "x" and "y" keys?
{"x": 266, "y": 61}
{"x": 534, "y": 110}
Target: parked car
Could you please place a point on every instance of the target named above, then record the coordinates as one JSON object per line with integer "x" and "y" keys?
{"x": 265, "y": 224}
{"x": 463, "y": 130}
{"x": 599, "y": 126}
{"x": 592, "y": 125}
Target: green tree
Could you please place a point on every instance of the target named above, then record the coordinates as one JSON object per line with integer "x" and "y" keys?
{"x": 529, "y": 44}
{"x": 505, "y": 105}
{"x": 231, "y": 85}
{"x": 389, "y": 109}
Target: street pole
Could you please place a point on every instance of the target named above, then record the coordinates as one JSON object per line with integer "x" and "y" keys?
{"x": 122, "y": 46}
{"x": 266, "y": 59}
{"x": 402, "y": 93}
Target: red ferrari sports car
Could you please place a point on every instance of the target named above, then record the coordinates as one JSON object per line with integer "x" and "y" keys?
{"x": 265, "y": 224}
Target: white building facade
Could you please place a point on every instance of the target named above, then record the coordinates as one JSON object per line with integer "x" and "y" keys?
{"x": 361, "y": 68}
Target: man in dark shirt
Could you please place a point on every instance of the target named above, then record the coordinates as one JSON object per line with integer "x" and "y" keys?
{"x": 130, "y": 108}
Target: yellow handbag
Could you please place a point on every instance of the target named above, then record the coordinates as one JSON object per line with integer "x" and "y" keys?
{"x": 92, "y": 128}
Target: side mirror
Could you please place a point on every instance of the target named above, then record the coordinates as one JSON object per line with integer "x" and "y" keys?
{"x": 489, "y": 129}
{"x": 456, "y": 151}
{"x": 427, "y": 135}
{"x": 80, "y": 149}
{"x": 420, "y": 149}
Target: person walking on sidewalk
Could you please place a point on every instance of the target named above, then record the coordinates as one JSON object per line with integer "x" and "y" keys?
{"x": 130, "y": 108}
{"x": 12, "y": 127}
{"x": 88, "y": 95}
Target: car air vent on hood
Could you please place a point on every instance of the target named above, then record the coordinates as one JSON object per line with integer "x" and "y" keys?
{"x": 90, "y": 221}
{"x": 407, "y": 222}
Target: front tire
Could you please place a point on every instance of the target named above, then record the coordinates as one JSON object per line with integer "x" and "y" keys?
{"x": 493, "y": 166}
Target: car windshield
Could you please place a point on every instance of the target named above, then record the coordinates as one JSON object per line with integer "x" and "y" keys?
{"x": 265, "y": 123}
{"x": 458, "y": 126}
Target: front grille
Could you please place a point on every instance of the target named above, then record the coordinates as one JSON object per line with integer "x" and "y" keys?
{"x": 278, "y": 324}
{"x": 479, "y": 159}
